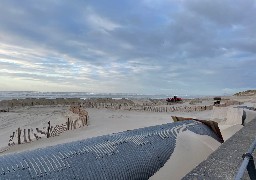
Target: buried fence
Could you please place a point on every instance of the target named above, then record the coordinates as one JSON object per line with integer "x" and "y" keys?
{"x": 21, "y": 135}
{"x": 151, "y": 108}
{"x": 176, "y": 108}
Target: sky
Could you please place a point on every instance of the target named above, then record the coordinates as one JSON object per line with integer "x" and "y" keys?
{"x": 189, "y": 47}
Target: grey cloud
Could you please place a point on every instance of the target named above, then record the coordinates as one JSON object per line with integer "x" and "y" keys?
{"x": 226, "y": 13}
{"x": 188, "y": 44}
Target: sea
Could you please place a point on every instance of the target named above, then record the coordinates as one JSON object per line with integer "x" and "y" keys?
{"x": 8, "y": 95}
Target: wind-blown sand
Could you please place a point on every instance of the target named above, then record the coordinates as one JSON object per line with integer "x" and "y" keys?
{"x": 101, "y": 122}
{"x": 190, "y": 150}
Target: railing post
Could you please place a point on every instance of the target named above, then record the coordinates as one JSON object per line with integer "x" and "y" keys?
{"x": 250, "y": 167}
{"x": 248, "y": 164}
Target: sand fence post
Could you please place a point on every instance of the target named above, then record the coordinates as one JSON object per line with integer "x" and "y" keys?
{"x": 11, "y": 139}
{"x": 48, "y": 129}
{"x": 29, "y": 135}
{"x": 68, "y": 123}
{"x": 19, "y": 133}
{"x": 25, "y": 138}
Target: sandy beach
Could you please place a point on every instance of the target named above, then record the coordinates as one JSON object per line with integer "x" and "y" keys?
{"x": 125, "y": 89}
{"x": 113, "y": 116}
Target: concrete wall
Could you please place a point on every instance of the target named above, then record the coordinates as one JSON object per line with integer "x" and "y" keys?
{"x": 226, "y": 160}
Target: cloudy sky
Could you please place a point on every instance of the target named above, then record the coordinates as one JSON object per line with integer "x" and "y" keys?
{"x": 148, "y": 46}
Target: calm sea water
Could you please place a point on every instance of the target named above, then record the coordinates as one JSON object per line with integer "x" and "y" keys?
{"x": 7, "y": 95}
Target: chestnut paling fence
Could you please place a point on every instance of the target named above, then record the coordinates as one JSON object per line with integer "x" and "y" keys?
{"x": 20, "y": 135}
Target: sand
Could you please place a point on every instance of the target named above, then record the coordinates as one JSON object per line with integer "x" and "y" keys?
{"x": 101, "y": 122}
{"x": 31, "y": 117}
{"x": 190, "y": 150}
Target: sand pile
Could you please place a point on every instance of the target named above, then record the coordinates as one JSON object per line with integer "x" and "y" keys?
{"x": 231, "y": 119}
{"x": 190, "y": 150}
{"x": 227, "y": 115}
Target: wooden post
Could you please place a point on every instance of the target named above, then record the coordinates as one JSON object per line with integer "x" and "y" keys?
{"x": 11, "y": 139}
{"x": 25, "y": 138}
{"x": 48, "y": 129}
{"x": 19, "y": 133}
{"x": 71, "y": 125}
{"x": 68, "y": 124}
{"x": 29, "y": 135}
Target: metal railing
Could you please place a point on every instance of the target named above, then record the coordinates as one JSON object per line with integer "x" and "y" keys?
{"x": 248, "y": 163}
